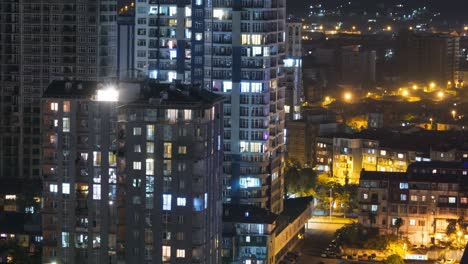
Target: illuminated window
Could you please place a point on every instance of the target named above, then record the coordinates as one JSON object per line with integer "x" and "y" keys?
{"x": 53, "y": 188}
{"x": 166, "y": 253}
{"x": 227, "y": 86}
{"x": 245, "y": 87}
{"x": 96, "y": 192}
{"x": 414, "y": 198}
{"x": 452, "y": 200}
{"x": 383, "y": 152}
{"x": 256, "y": 51}
{"x": 137, "y": 148}
{"x": 66, "y": 124}
{"x": 65, "y": 188}
{"x": 403, "y": 185}
{"x": 167, "y": 150}
{"x": 167, "y": 198}
{"x": 11, "y": 197}
{"x": 149, "y": 147}
{"x": 464, "y": 200}
{"x": 256, "y": 147}
{"x": 65, "y": 239}
{"x": 96, "y": 158}
{"x": 256, "y": 39}
{"x": 150, "y": 132}
{"x": 400, "y": 155}
{"x": 187, "y": 114}
{"x": 249, "y": 182}
{"x": 137, "y": 165}
{"x": 112, "y": 159}
{"x": 256, "y": 87}
{"x": 54, "y": 106}
{"x": 247, "y": 239}
{"x": 149, "y": 166}
{"x": 182, "y": 150}
{"x": 365, "y": 196}
{"x": 374, "y": 208}
{"x": 149, "y": 184}
{"x": 403, "y": 197}
{"x": 66, "y": 106}
{"x": 181, "y": 201}
{"x": 171, "y": 115}
{"x": 412, "y": 222}
{"x": 137, "y": 131}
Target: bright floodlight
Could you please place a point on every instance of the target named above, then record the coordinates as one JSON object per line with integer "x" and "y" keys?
{"x": 109, "y": 94}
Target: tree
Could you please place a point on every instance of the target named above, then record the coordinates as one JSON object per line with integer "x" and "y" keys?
{"x": 398, "y": 223}
{"x": 394, "y": 259}
{"x": 297, "y": 180}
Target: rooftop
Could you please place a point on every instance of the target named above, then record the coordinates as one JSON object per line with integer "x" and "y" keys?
{"x": 239, "y": 213}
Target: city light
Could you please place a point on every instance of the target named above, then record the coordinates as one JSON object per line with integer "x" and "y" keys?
{"x": 109, "y": 94}
{"x": 415, "y": 87}
{"x": 432, "y": 85}
{"x": 454, "y": 113}
{"x": 405, "y": 93}
{"x": 347, "y": 96}
{"x": 440, "y": 95}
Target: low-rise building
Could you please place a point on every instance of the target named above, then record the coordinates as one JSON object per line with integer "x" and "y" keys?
{"x": 425, "y": 197}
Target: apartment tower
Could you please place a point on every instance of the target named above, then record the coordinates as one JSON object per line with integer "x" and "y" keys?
{"x": 41, "y": 41}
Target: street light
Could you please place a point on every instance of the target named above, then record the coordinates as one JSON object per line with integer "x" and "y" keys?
{"x": 405, "y": 93}
{"x": 415, "y": 87}
{"x": 432, "y": 85}
{"x": 347, "y": 96}
{"x": 440, "y": 95}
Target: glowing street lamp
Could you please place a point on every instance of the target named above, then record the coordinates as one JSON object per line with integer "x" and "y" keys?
{"x": 415, "y": 87}
{"x": 347, "y": 96}
{"x": 432, "y": 85}
{"x": 440, "y": 95}
{"x": 405, "y": 93}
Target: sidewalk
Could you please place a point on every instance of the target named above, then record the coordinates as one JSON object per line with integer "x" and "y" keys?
{"x": 333, "y": 220}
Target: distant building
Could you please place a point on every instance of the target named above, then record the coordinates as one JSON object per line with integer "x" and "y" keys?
{"x": 424, "y": 197}
{"x": 293, "y": 71}
{"x": 301, "y": 141}
{"x": 428, "y": 57}
{"x": 42, "y": 41}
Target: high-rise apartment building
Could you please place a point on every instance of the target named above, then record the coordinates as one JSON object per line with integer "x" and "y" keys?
{"x": 236, "y": 49}
{"x": 163, "y": 37}
{"x": 44, "y": 40}
{"x": 79, "y": 168}
{"x": 131, "y": 175}
{"x": 428, "y": 57}
{"x": 293, "y": 71}
{"x": 244, "y": 52}
{"x": 170, "y": 143}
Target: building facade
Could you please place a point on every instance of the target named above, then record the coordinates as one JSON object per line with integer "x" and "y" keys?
{"x": 131, "y": 175}
{"x": 245, "y": 43}
{"x": 79, "y": 169}
{"x": 170, "y": 159}
{"x": 426, "y": 197}
{"x": 293, "y": 71}
{"x": 43, "y": 41}
{"x": 417, "y": 62}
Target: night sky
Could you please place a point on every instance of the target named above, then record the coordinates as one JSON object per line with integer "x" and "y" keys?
{"x": 457, "y": 9}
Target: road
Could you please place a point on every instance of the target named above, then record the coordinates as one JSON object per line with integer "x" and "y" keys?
{"x": 316, "y": 239}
